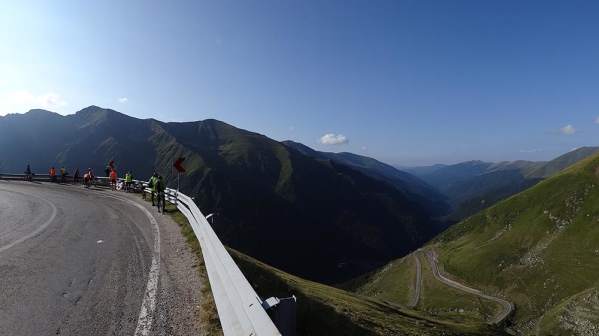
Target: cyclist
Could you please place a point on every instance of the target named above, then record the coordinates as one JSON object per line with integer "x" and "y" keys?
{"x": 88, "y": 178}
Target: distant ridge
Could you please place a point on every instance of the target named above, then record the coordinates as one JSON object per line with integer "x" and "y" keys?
{"x": 321, "y": 219}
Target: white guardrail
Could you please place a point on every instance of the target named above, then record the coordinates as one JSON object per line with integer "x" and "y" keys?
{"x": 240, "y": 309}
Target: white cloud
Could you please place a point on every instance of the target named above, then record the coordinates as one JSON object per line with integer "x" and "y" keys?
{"x": 22, "y": 100}
{"x": 333, "y": 139}
{"x": 532, "y": 150}
{"x": 568, "y": 130}
{"x": 123, "y": 100}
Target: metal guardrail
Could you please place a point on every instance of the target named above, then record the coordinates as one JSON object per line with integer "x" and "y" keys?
{"x": 241, "y": 311}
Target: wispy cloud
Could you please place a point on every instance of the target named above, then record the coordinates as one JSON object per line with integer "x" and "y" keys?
{"x": 123, "y": 100}
{"x": 597, "y": 120}
{"x": 568, "y": 130}
{"x": 23, "y": 100}
{"x": 333, "y": 139}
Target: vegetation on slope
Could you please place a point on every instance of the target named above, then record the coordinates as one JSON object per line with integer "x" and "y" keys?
{"x": 538, "y": 248}
{"x": 396, "y": 283}
{"x": 325, "y": 310}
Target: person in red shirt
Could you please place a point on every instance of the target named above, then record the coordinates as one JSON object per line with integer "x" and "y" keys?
{"x": 113, "y": 178}
{"x": 53, "y": 174}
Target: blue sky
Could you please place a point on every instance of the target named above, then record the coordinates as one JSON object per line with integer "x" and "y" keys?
{"x": 407, "y": 82}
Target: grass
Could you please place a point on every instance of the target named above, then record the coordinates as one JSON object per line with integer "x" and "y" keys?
{"x": 572, "y": 316}
{"x": 208, "y": 314}
{"x": 325, "y": 310}
{"x": 538, "y": 248}
{"x": 395, "y": 283}
{"x": 446, "y": 303}
{"x": 397, "y": 289}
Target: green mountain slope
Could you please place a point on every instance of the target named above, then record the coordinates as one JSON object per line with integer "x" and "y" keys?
{"x": 475, "y": 185}
{"x": 407, "y": 183}
{"x": 538, "y": 249}
{"x": 319, "y": 219}
{"x": 324, "y": 310}
{"x": 561, "y": 162}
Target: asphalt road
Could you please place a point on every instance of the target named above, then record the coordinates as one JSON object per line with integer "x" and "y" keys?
{"x": 89, "y": 262}
{"x": 417, "y": 282}
{"x": 507, "y": 307}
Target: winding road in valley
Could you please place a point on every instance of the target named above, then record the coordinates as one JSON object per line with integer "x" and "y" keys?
{"x": 75, "y": 261}
{"x": 418, "y": 282}
{"x": 507, "y": 306}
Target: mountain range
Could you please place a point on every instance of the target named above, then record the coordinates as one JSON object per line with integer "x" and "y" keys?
{"x": 321, "y": 218}
{"x": 472, "y": 186}
{"x": 522, "y": 258}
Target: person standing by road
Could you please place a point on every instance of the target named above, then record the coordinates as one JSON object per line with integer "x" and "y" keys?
{"x": 28, "y": 174}
{"x": 152, "y": 185}
{"x": 160, "y": 187}
{"x": 128, "y": 181}
{"x": 63, "y": 174}
{"x": 113, "y": 178}
{"x": 52, "y": 174}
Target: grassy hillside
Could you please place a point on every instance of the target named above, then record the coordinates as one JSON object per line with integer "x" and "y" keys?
{"x": 325, "y": 310}
{"x": 561, "y": 162}
{"x": 396, "y": 282}
{"x": 538, "y": 249}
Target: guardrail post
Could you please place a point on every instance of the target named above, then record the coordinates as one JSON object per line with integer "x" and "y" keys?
{"x": 283, "y": 313}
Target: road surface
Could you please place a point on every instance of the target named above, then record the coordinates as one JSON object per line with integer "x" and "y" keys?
{"x": 507, "y": 306}
{"x": 75, "y": 261}
{"x": 418, "y": 282}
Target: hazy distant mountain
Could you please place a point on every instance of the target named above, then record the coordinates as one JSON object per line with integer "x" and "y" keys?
{"x": 321, "y": 219}
{"x": 475, "y": 185}
{"x": 407, "y": 183}
{"x": 561, "y": 162}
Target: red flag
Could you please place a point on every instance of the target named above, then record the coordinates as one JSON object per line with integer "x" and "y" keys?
{"x": 178, "y": 165}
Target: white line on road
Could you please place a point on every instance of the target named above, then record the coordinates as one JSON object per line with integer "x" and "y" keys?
{"x": 38, "y": 230}
{"x": 148, "y": 305}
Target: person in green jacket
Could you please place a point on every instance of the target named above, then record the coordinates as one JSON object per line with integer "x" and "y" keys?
{"x": 160, "y": 187}
{"x": 128, "y": 181}
{"x": 152, "y": 184}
